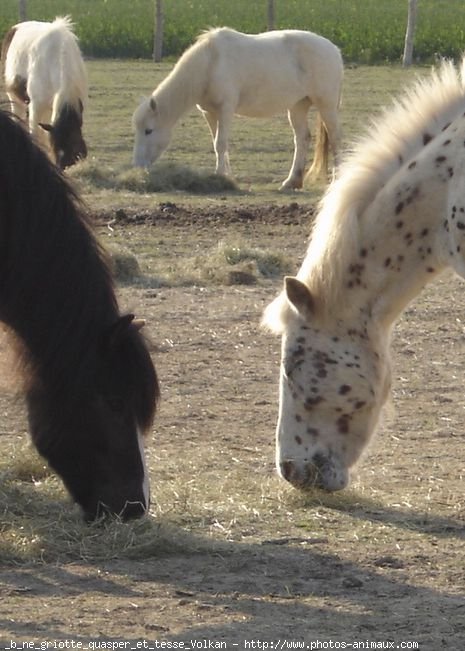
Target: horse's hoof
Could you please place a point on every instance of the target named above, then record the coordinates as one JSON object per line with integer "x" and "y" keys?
{"x": 290, "y": 186}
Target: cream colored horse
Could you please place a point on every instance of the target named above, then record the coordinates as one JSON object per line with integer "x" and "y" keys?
{"x": 46, "y": 83}
{"x": 391, "y": 222}
{"x": 226, "y": 73}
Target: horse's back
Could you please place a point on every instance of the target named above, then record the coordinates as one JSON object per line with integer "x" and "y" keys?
{"x": 25, "y": 36}
{"x": 277, "y": 43}
{"x": 271, "y": 71}
{"x": 33, "y": 41}
{"x": 46, "y": 57}
{"x": 297, "y": 39}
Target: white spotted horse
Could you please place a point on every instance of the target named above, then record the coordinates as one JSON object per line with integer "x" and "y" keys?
{"x": 46, "y": 80}
{"x": 89, "y": 381}
{"x": 391, "y": 222}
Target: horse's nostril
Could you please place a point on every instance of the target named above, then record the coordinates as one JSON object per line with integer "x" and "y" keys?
{"x": 287, "y": 469}
{"x": 319, "y": 461}
{"x": 133, "y": 510}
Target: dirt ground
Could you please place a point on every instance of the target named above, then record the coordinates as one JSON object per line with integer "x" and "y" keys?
{"x": 265, "y": 570}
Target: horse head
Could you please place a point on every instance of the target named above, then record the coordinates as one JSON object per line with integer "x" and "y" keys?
{"x": 333, "y": 384}
{"x": 66, "y": 139}
{"x": 152, "y": 134}
{"x": 95, "y": 442}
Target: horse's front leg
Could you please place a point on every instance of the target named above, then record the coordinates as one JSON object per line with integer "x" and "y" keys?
{"x": 17, "y": 107}
{"x": 35, "y": 118}
{"x": 212, "y": 121}
{"x": 298, "y": 120}
{"x": 220, "y": 142}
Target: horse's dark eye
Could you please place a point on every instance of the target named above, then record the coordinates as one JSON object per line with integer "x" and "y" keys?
{"x": 148, "y": 132}
{"x": 115, "y": 404}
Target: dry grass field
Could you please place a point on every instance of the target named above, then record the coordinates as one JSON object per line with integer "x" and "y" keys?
{"x": 229, "y": 554}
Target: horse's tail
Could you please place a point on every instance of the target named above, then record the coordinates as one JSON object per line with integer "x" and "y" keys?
{"x": 321, "y": 156}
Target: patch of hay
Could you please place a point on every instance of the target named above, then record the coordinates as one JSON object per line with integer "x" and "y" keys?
{"x": 39, "y": 523}
{"x": 268, "y": 263}
{"x": 37, "y": 529}
{"x": 91, "y": 173}
{"x": 134, "y": 179}
{"x": 170, "y": 176}
{"x": 25, "y": 464}
{"x": 163, "y": 177}
{"x": 239, "y": 264}
{"x": 124, "y": 265}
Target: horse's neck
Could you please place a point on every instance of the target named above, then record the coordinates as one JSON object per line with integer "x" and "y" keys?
{"x": 181, "y": 90}
{"x": 72, "y": 91}
{"x": 404, "y": 245}
{"x": 60, "y": 104}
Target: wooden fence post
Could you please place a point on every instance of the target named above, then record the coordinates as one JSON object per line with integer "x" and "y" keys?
{"x": 158, "y": 31}
{"x": 410, "y": 32}
{"x": 270, "y": 15}
{"x": 22, "y": 7}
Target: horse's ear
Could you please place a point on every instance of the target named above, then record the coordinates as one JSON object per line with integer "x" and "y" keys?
{"x": 119, "y": 330}
{"x": 46, "y": 127}
{"x": 138, "y": 324}
{"x": 299, "y": 295}
{"x": 153, "y": 104}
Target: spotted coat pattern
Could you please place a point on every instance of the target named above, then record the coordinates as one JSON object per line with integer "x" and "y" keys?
{"x": 391, "y": 222}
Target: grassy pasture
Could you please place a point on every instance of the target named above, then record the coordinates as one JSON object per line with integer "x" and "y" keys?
{"x": 260, "y": 150}
{"x": 228, "y": 549}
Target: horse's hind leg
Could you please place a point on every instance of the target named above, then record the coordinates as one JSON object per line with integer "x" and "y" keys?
{"x": 298, "y": 120}
{"x": 330, "y": 117}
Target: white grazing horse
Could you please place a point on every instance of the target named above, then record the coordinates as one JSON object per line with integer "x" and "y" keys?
{"x": 255, "y": 75}
{"x": 392, "y": 221}
{"x": 46, "y": 81}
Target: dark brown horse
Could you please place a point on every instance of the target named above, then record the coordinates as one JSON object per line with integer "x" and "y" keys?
{"x": 90, "y": 385}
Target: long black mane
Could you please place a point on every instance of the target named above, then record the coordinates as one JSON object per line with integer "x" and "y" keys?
{"x": 56, "y": 290}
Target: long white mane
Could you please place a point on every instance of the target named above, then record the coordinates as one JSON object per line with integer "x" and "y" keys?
{"x": 391, "y": 141}
{"x": 74, "y": 82}
{"x": 181, "y": 87}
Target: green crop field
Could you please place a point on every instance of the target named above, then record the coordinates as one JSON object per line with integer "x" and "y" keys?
{"x": 367, "y": 31}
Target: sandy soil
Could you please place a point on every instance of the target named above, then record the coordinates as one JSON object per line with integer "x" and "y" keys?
{"x": 386, "y": 565}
